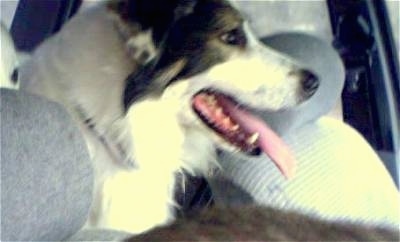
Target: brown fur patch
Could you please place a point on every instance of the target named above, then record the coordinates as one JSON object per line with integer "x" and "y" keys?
{"x": 250, "y": 223}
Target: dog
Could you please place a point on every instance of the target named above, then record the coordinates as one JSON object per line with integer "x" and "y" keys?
{"x": 252, "y": 223}
{"x": 159, "y": 87}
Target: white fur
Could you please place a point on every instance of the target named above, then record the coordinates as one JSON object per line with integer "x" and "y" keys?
{"x": 142, "y": 44}
{"x": 9, "y": 59}
{"x": 162, "y": 135}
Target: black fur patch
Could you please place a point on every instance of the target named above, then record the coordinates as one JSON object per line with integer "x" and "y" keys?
{"x": 139, "y": 85}
{"x": 196, "y": 37}
{"x": 157, "y": 15}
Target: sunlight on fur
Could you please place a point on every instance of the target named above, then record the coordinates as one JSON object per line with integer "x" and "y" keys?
{"x": 157, "y": 199}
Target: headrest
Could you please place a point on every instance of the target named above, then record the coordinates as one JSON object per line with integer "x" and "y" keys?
{"x": 318, "y": 56}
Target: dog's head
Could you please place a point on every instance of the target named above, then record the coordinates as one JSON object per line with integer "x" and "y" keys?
{"x": 209, "y": 59}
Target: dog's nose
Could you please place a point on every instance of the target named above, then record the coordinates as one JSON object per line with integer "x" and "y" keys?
{"x": 309, "y": 82}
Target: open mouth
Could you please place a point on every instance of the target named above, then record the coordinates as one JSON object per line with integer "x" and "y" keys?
{"x": 214, "y": 108}
{"x": 241, "y": 129}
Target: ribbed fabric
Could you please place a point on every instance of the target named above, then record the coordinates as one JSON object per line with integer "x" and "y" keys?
{"x": 338, "y": 177}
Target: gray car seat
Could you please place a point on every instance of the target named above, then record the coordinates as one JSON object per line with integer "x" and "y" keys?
{"x": 46, "y": 175}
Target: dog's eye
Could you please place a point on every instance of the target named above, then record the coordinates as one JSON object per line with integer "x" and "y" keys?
{"x": 234, "y": 37}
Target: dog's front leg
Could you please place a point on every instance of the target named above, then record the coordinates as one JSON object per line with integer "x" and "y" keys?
{"x": 139, "y": 199}
{"x": 136, "y": 201}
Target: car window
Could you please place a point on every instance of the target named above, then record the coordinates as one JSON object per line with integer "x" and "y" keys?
{"x": 393, "y": 7}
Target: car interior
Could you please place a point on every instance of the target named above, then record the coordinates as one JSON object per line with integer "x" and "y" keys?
{"x": 346, "y": 137}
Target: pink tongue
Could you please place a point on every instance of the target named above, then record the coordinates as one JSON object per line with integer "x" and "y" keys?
{"x": 269, "y": 141}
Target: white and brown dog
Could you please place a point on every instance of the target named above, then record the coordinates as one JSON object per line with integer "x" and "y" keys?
{"x": 157, "y": 87}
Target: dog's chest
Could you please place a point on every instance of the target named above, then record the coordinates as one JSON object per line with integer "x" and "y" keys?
{"x": 161, "y": 147}
{"x": 163, "y": 140}
{"x": 157, "y": 136}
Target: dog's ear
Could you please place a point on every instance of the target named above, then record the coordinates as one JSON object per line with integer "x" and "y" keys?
{"x": 184, "y": 8}
{"x": 157, "y": 15}
{"x": 150, "y": 81}
{"x": 160, "y": 16}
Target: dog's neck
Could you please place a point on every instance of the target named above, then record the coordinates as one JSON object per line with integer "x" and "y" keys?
{"x": 191, "y": 149}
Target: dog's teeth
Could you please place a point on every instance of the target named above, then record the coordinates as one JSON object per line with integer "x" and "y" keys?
{"x": 211, "y": 100}
{"x": 227, "y": 121}
{"x": 235, "y": 127}
{"x": 253, "y": 138}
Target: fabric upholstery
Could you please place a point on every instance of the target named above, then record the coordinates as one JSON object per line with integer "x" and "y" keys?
{"x": 339, "y": 177}
{"x": 46, "y": 177}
